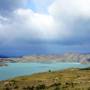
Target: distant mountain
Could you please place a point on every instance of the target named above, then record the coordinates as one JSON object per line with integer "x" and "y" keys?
{"x": 3, "y": 56}
{"x": 67, "y": 57}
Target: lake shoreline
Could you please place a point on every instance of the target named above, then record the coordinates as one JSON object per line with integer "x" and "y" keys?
{"x": 70, "y": 79}
{"x": 20, "y": 69}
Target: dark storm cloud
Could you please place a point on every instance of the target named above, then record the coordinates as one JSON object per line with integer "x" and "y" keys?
{"x": 81, "y": 30}
{"x": 65, "y": 28}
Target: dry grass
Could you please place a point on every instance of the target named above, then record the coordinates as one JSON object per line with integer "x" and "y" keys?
{"x": 70, "y": 79}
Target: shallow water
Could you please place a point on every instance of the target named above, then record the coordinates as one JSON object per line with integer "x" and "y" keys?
{"x": 20, "y": 69}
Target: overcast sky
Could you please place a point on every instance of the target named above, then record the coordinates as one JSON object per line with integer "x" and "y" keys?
{"x": 44, "y": 26}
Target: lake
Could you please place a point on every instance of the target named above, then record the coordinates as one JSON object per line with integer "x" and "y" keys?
{"x": 21, "y": 69}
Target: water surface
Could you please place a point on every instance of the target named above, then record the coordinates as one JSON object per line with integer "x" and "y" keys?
{"x": 20, "y": 69}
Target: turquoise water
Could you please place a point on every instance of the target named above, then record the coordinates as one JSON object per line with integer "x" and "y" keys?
{"x": 20, "y": 69}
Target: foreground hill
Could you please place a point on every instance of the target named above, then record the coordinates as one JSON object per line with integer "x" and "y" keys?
{"x": 70, "y": 79}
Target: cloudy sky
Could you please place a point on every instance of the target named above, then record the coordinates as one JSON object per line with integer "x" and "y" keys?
{"x": 44, "y": 26}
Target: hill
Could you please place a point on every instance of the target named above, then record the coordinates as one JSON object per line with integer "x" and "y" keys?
{"x": 70, "y": 79}
{"x": 67, "y": 57}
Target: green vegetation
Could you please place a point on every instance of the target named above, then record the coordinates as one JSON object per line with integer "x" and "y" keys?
{"x": 70, "y": 79}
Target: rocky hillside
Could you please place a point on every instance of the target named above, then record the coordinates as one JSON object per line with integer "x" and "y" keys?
{"x": 68, "y": 57}
{"x": 70, "y": 79}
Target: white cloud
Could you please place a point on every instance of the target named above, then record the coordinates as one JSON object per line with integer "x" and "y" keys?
{"x": 28, "y": 25}
{"x": 37, "y": 25}
{"x": 64, "y": 22}
{"x": 70, "y": 7}
{"x": 40, "y": 26}
{"x": 75, "y": 15}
